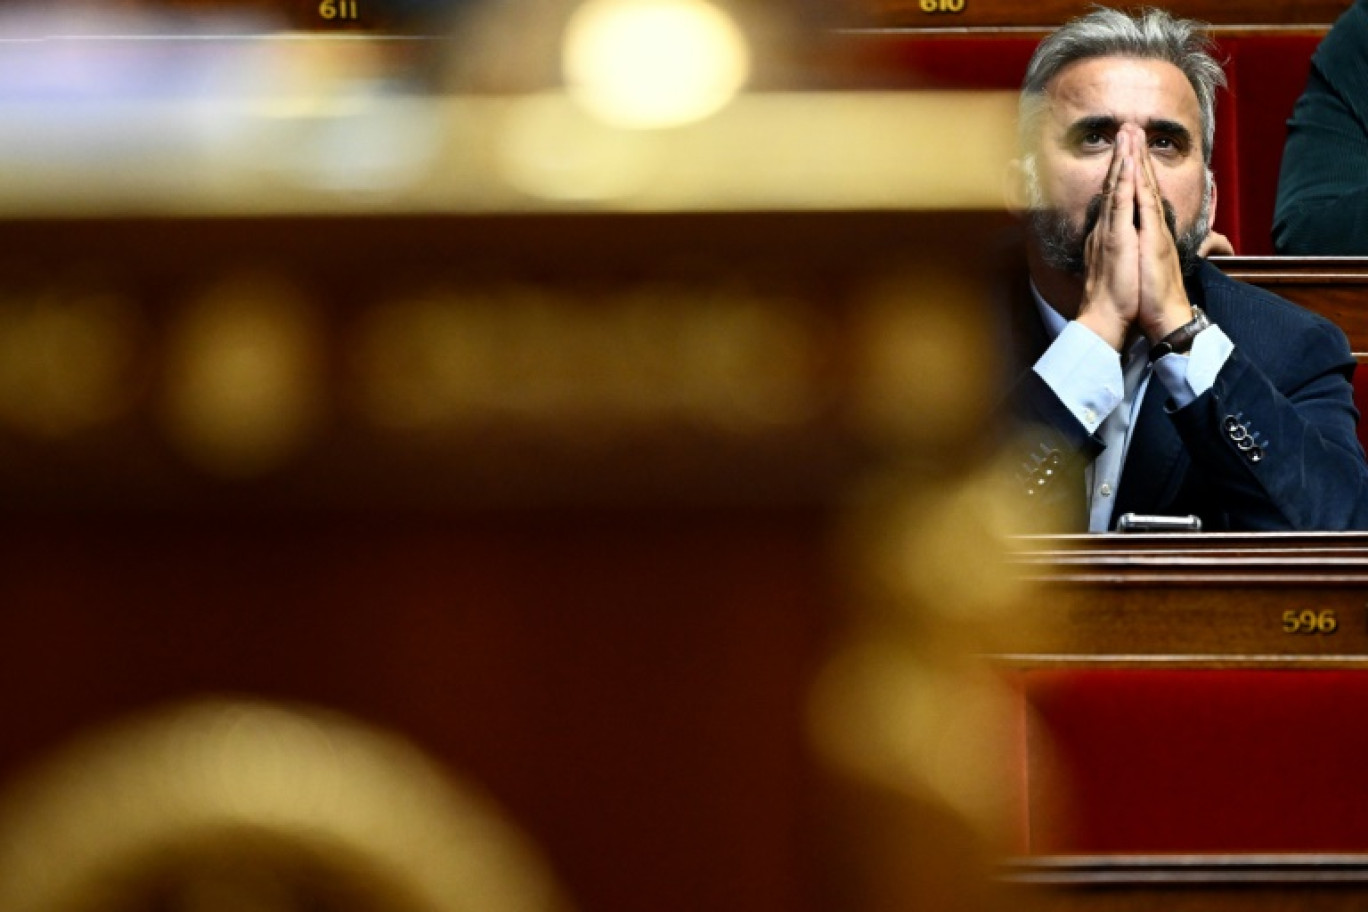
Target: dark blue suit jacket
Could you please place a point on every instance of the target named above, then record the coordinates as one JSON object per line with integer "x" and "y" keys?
{"x": 1271, "y": 446}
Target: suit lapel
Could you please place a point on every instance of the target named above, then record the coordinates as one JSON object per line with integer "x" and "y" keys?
{"x": 1028, "y": 339}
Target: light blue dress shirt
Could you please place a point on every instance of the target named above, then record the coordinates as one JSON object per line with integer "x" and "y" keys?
{"x": 1103, "y": 390}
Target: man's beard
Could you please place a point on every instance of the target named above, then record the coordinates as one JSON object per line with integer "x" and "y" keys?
{"x": 1063, "y": 248}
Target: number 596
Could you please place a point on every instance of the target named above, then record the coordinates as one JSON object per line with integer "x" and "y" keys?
{"x": 1308, "y": 621}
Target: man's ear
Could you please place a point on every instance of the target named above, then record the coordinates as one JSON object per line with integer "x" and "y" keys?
{"x": 1215, "y": 243}
{"x": 1212, "y": 181}
{"x": 1014, "y": 181}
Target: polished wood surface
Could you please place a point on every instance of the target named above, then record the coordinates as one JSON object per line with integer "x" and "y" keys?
{"x": 1202, "y": 599}
{"x": 1192, "y": 883}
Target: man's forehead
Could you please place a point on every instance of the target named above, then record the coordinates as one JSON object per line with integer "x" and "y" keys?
{"x": 1123, "y": 88}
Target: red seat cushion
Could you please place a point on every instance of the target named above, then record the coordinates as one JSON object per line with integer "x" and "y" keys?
{"x": 1267, "y": 74}
{"x": 1228, "y": 760}
{"x": 959, "y": 62}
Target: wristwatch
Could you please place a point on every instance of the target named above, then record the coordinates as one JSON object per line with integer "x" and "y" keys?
{"x": 1180, "y": 340}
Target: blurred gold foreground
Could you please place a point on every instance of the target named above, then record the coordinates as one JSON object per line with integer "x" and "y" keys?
{"x": 540, "y": 407}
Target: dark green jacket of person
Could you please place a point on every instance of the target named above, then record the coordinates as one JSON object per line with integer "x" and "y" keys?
{"x": 1322, "y": 206}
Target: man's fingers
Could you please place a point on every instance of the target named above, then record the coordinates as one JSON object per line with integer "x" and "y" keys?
{"x": 1151, "y": 198}
{"x": 1109, "y": 187}
{"x": 1114, "y": 168}
{"x": 1123, "y": 197}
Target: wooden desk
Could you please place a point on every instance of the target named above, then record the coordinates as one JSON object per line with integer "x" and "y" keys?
{"x": 1192, "y": 737}
{"x": 1199, "y": 600}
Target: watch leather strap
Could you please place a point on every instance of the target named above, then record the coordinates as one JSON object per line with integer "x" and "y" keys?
{"x": 1179, "y": 341}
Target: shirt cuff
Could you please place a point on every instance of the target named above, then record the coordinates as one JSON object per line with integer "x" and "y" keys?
{"x": 1084, "y": 372}
{"x": 1186, "y": 377}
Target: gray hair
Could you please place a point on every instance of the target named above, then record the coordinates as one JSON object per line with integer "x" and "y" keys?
{"x": 1149, "y": 34}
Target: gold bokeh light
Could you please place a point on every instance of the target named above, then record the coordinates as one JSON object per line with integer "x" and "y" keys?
{"x": 653, "y": 63}
{"x": 223, "y": 803}
{"x": 244, "y": 376}
{"x": 67, "y": 360}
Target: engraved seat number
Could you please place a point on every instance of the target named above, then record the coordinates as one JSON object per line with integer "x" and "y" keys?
{"x": 1310, "y": 622}
{"x": 344, "y": 9}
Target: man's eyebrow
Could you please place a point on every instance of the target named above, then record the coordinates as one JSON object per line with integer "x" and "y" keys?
{"x": 1108, "y": 125}
{"x": 1170, "y": 128}
{"x": 1095, "y": 123}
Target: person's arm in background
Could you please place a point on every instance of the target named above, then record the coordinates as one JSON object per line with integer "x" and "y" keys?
{"x": 1322, "y": 204}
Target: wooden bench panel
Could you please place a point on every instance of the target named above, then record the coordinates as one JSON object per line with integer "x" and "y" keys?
{"x": 1199, "y": 760}
{"x": 1184, "y": 749}
{"x": 1192, "y": 883}
{"x": 1206, "y": 600}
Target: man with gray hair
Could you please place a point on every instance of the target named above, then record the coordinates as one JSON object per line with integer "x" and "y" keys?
{"x": 1150, "y": 382}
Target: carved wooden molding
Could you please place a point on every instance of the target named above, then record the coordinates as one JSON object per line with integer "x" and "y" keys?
{"x": 1112, "y": 870}
{"x": 1201, "y": 883}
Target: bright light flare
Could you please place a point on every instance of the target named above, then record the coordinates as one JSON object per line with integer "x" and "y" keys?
{"x": 653, "y": 63}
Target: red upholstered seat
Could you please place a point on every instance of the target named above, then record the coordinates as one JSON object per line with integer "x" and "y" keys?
{"x": 1267, "y": 75}
{"x": 1214, "y": 760}
{"x": 975, "y": 61}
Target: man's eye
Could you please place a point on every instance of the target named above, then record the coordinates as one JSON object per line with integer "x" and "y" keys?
{"x": 1094, "y": 139}
{"x": 1163, "y": 144}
